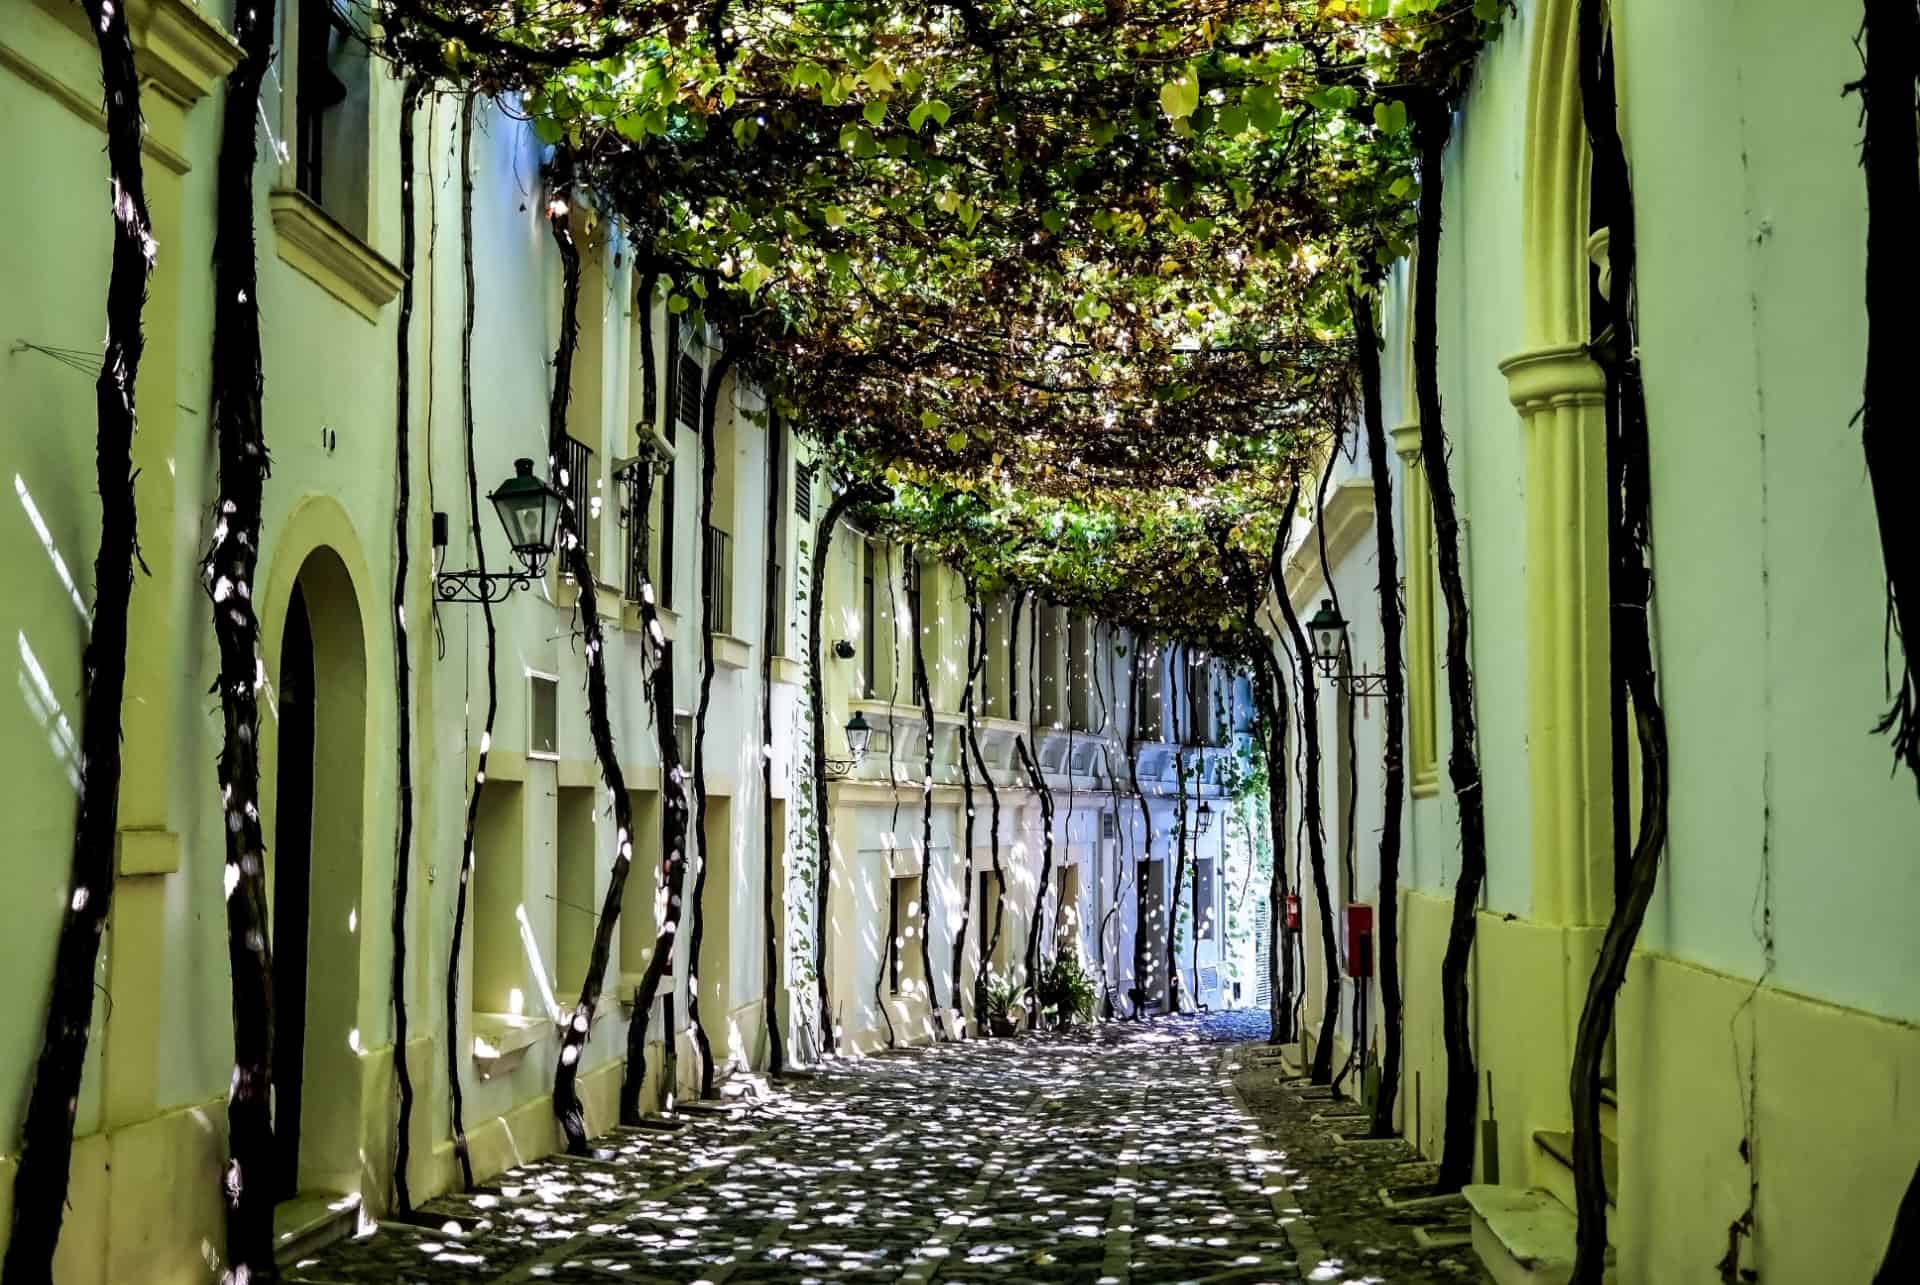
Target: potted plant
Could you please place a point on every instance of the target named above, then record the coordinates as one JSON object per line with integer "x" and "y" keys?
{"x": 1066, "y": 992}
{"x": 1006, "y": 1000}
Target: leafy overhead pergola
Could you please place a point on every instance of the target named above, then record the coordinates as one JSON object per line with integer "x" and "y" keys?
{"x": 1069, "y": 252}
{"x": 1097, "y": 251}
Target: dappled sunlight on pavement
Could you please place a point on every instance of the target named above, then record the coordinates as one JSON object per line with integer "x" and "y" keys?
{"x": 1118, "y": 1154}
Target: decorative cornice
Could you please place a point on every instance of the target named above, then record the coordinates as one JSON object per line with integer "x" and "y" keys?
{"x": 1348, "y": 517}
{"x": 180, "y": 48}
{"x": 314, "y": 243}
{"x": 177, "y": 47}
{"x": 1559, "y": 376}
{"x": 86, "y": 108}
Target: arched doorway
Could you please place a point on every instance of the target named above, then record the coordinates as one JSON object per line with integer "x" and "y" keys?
{"x": 314, "y": 877}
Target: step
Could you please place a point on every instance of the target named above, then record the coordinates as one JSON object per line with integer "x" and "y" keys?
{"x": 1553, "y": 1167}
{"x": 1523, "y": 1236}
{"x": 312, "y": 1220}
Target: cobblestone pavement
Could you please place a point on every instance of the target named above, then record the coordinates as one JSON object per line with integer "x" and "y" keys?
{"x": 1171, "y": 1150}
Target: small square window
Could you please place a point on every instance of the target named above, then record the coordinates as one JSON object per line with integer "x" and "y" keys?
{"x": 543, "y": 716}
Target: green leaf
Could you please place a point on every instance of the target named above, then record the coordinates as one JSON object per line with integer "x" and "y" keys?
{"x": 956, "y": 442}
{"x": 1054, "y": 221}
{"x": 940, "y": 112}
{"x": 929, "y": 420}
{"x": 918, "y": 117}
{"x": 1180, "y": 96}
{"x": 1390, "y": 117}
{"x": 875, "y": 112}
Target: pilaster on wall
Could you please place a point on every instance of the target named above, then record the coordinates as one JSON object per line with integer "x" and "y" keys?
{"x": 1423, "y": 754}
{"x": 1559, "y": 391}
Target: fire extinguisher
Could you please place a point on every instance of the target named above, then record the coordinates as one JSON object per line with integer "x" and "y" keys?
{"x": 1293, "y": 913}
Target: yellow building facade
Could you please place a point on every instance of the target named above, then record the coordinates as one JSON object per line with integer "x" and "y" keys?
{"x": 1755, "y": 1118}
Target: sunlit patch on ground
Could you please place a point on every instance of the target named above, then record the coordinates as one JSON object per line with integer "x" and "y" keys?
{"x": 1117, "y": 1154}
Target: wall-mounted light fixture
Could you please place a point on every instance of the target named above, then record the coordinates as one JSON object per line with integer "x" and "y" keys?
{"x": 1328, "y": 630}
{"x": 529, "y": 509}
{"x": 842, "y": 649}
{"x": 859, "y": 737}
{"x": 1203, "y": 818}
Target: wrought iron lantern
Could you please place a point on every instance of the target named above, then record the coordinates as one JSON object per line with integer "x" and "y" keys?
{"x": 529, "y": 510}
{"x": 859, "y": 737}
{"x": 1329, "y": 632}
{"x": 1203, "y": 817}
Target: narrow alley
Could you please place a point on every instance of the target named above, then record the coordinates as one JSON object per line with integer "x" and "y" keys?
{"x": 1124, "y": 1152}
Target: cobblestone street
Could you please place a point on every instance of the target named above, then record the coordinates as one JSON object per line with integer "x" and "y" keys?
{"x": 1125, "y": 1153}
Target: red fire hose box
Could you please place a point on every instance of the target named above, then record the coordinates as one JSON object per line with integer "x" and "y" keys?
{"x": 1359, "y": 940}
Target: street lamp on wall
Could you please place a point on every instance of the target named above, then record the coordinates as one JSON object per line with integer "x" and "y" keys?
{"x": 529, "y": 510}
{"x": 1203, "y": 818}
{"x": 859, "y": 737}
{"x": 1328, "y": 630}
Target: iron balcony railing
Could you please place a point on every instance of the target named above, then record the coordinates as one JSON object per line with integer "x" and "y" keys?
{"x": 575, "y": 481}
{"x": 636, "y": 520}
{"x": 720, "y": 549}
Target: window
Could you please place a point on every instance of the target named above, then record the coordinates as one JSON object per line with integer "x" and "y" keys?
{"x": 645, "y": 899}
{"x": 688, "y": 376}
{"x": 1080, "y": 660}
{"x": 915, "y": 576}
{"x": 1052, "y": 708}
{"x": 903, "y": 935}
{"x": 720, "y": 444}
{"x": 543, "y": 705}
{"x": 500, "y": 983}
{"x": 574, "y": 910}
{"x": 1199, "y": 684}
{"x": 775, "y": 626}
{"x": 1203, "y": 897}
{"x": 331, "y": 125}
{"x": 575, "y": 479}
{"x": 869, "y": 625}
{"x": 666, "y": 487}
{"x": 803, "y": 491}
{"x": 720, "y": 551}
{"x": 685, "y": 371}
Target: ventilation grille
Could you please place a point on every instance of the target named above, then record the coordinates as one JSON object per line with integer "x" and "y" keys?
{"x": 688, "y": 391}
{"x": 543, "y": 716}
{"x": 803, "y": 491}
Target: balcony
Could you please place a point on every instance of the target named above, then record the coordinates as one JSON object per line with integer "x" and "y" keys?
{"x": 573, "y": 478}
{"x": 729, "y": 651}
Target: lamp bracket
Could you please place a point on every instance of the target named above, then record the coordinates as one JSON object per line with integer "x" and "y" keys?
{"x": 477, "y": 586}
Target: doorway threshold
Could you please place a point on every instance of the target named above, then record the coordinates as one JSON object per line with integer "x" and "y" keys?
{"x": 305, "y": 1224}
